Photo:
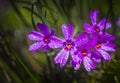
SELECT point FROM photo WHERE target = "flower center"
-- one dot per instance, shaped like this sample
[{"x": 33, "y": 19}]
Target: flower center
[
  {"x": 98, "y": 45},
  {"x": 68, "y": 44},
  {"x": 96, "y": 28},
  {"x": 84, "y": 53},
  {"x": 46, "y": 40}
]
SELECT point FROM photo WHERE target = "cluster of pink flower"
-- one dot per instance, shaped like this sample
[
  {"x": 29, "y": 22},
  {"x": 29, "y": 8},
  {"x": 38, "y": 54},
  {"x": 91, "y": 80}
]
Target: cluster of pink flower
[{"x": 87, "y": 47}]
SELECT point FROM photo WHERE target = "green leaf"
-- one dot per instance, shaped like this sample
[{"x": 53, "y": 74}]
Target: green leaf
[
  {"x": 111, "y": 72},
  {"x": 25, "y": 67},
  {"x": 116, "y": 79},
  {"x": 32, "y": 18},
  {"x": 10, "y": 72},
  {"x": 39, "y": 9}
]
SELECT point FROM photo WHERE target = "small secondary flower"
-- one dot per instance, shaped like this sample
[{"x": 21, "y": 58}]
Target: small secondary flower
[
  {"x": 95, "y": 26},
  {"x": 44, "y": 40},
  {"x": 102, "y": 47},
  {"x": 84, "y": 52}
]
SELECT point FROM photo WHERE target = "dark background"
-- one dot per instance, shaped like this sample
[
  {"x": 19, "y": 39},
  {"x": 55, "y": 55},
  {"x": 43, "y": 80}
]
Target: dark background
[{"x": 18, "y": 17}]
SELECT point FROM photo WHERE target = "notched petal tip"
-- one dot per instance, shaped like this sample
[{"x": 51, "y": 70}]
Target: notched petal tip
[
  {"x": 61, "y": 57},
  {"x": 30, "y": 49},
  {"x": 75, "y": 65},
  {"x": 108, "y": 48},
  {"x": 55, "y": 60},
  {"x": 70, "y": 25},
  {"x": 108, "y": 25},
  {"x": 102, "y": 23},
  {"x": 88, "y": 64},
  {"x": 52, "y": 32},
  {"x": 94, "y": 16},
  {"x": 95, "y": 11},
  {"x": 34, "y": 35},
  {"x": 38, "y": 25},
  {"x": 46, "y": 48},
  {"x": 36, "y": 46},
  {"x": 67, "y": 31},
  {"x": 62, "y": 64},
  {"x": 105, "y": 55},
  {"x": 43, "y": 28}
]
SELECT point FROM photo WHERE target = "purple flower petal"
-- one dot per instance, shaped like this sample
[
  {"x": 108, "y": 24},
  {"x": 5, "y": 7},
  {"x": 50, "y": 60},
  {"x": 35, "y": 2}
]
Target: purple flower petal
[
  {"x": 81, "y": 39},
  {"x": 52, "y": 32},
  {"x": 34, "y": 35},
  {"x": 43, "y": 28},
  {"x": 105, "y": 55},
  {"x": 88, "y": 28},
  {"x": 107, "y": 48},
  {"x": 88, "y": 64},
  {"x": 94, "y": 16},
  {"x": 96, "y": 60},
  {"x": 62, "y": 57},
  {"x": 74, "y": 57},
  {"x": 67, "y": 31},
  {"x": 108, "y": 25},
  {"x": 110, "y": 44},
  {"x": 64, "y": 60},
  {"x": 76, "y": 65},
  {"x": 101, "y": 24},
  {"x": 92, "y": 41},
  {"x": 46, "y": 48},
  {"x": 96, "y": 54},
  {"x": 96, "y": 57},
  {"x": 109, "y": 37},
  {"x": 36, "y": 46},
  {"x": 118, "y": 22},
  {"x": 55, "y": 42}
]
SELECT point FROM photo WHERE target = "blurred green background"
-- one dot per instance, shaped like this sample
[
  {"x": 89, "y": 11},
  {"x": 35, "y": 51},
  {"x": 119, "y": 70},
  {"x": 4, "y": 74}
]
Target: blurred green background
[{"x": 18, "y": 17}]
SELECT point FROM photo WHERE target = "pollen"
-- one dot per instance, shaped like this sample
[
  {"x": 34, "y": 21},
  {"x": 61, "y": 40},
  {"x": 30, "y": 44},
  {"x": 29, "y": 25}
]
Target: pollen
[
  {"x": 98, "y": 45},
  {"x": 97, "y": 29},
  {"x": 68, "y": 46},
  {"x": 46, "y": 40},
  {"x": 84, "y": 53}
]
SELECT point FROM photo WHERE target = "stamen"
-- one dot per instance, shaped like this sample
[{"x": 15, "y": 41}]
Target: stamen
[
  {"x": 46, "y": 40},
  {"x": 98, "y": 45},
  {"x": 96, "y": 28},
  {"x": 84, "y": 53},
  {"x": 68, "y": 46}
]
